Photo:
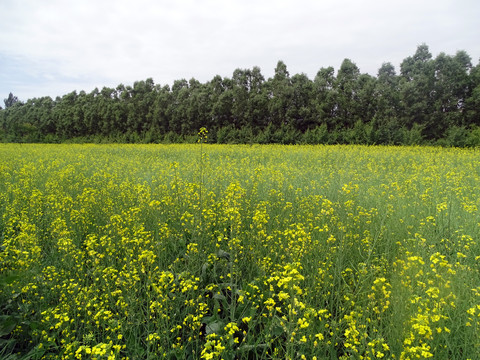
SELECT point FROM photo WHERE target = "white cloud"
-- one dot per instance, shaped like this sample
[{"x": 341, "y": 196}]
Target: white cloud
[{"x": 88, "y": 43}]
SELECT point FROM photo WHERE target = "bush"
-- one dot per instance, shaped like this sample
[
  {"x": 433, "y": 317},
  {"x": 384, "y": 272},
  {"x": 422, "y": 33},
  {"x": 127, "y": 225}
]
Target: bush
[
  {"x": 317, "y": 135},
  {"x": 413, "y": 136},
  {"x": 473, "y": 137}
]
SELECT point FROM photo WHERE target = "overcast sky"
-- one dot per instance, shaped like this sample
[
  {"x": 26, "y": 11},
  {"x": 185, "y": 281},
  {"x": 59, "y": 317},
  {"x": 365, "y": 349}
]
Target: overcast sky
[{"x": 52, "y": 47}]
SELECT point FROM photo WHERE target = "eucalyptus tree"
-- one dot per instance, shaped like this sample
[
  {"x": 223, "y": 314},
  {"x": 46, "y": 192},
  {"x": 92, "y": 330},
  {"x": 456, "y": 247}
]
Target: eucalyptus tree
[
  {"x": 257, "y": 100},
  {"x": 431, "y": 97},
  {"x": 249, "y": 99},
  {"x": 10, "y": 100},
  {"x": 221, "y": 98},
  {"x": 301, "y": 113},
  {"x": 197, "y": 107},
  {"x": 365, "y": 98},
  {"x": 346, "y": 92},
  {"x": 472, "y": 102},
  {"x": 43, "y": 120},
  {"x": 140, "y": 106},
  {"x": 450, "y": 91},
  {"x": 280, "y": 92},
  {"x": 417, "y": 79},
  {"x": 64, "y": 115},
  {"x": 386, "y": 123},
  {"x": 178, "y": 107},
  {"x": 324, "y": 99},
  {"x": 161, "y": 119},
  {"x": 104, "y": 120},
  {"x": 240, "y": 92},
  {"x": 386, "y": 92}
]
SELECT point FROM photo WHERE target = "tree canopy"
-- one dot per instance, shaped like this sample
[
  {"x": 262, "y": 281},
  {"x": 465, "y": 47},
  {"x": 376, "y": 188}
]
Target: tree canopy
[
  {"x": 10, "y": 100},
  {"x": 431, "y": 100}
]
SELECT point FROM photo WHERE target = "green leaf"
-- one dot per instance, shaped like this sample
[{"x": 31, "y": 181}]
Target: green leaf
[
  {"x": 223, "y": 255},
  {"x": 34, "y": 325},
  {"x": 35, "y": 353},
  {"x": 214, "y": 327},
  {"x": 277, "y": 330},
  {"x": 207, "y": 319},
  {"x": 246, "y": 347},
  {"x": 11, "y": 357},
  {"x": 219, "y": 297},
  {"x": 7, "y": 324},
  {"x": 205, "y": 267},
  {"x": 7, "y": 280},
  {"x": 5, "y": 342}
]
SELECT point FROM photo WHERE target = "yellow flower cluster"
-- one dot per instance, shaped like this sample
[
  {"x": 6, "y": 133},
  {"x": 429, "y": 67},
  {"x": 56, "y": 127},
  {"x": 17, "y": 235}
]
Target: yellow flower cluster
[{"x": 239, "y": 252}]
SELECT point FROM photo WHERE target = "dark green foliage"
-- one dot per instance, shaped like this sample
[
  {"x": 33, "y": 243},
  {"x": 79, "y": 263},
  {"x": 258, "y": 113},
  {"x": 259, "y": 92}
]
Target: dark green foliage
[
  {"x": 432, "y": 100},
  {"x": 10, "y": 100}
]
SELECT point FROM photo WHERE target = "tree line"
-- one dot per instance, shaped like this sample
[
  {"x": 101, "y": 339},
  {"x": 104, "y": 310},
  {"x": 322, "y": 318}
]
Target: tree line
[{"x": 431, "y": 101}]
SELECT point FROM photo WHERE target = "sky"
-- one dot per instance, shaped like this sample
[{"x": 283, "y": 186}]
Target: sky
[{"x": 53, "y": 47}]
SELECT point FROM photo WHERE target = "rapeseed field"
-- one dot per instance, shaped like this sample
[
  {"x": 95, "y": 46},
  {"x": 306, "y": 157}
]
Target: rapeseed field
[{"x": 239, "y": 252}]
